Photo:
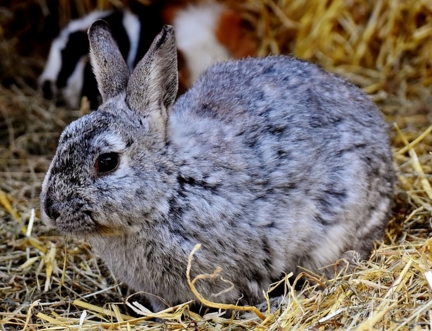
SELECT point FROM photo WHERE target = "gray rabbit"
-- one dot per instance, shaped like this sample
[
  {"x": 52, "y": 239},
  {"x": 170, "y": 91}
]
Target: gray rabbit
[{"x": 270, "y": 163}]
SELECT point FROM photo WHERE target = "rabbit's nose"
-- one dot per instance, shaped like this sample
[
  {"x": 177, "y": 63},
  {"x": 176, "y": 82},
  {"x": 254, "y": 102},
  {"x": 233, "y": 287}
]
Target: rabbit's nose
[{"x": 51, "y": 209}]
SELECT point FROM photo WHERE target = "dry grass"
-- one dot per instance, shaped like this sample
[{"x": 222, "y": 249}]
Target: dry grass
[{"x": 48, "y": 282}]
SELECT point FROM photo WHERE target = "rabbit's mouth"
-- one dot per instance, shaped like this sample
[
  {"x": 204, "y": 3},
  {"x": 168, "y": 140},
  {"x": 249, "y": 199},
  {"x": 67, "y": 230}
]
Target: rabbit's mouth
[
  {"x": 69, "y": 216},
  {"x": 78, "y": 224},
  {"x": 85, "y": 224}
]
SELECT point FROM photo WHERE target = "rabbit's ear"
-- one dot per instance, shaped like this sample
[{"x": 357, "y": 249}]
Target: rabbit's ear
[
  {"x": 154, "y": 82},
  {"x": 109, "y": 67}
]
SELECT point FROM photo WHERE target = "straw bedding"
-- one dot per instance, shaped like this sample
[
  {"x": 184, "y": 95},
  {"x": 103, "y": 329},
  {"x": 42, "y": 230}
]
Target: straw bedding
[{"x": 48, "y": 282}]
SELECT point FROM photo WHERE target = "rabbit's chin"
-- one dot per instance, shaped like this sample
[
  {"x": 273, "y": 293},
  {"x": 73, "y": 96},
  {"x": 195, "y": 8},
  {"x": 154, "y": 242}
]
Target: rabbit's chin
[{"x": 78, "y": 225}]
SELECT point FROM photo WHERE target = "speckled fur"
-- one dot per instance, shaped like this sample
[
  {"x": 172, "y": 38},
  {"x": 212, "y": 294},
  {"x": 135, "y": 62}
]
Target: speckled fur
[{"x": 269, "y": 163}]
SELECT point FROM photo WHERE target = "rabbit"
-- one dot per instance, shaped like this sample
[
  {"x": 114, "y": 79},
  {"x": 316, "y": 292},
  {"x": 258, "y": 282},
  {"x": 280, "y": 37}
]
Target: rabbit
[{"x": 272, "y": 164}]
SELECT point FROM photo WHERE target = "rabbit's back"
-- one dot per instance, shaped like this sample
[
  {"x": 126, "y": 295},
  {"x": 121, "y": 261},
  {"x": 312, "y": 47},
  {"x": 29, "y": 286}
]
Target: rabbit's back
[
  {"x": 302, "y": 154},
  {"x": 278, "y": 86}
]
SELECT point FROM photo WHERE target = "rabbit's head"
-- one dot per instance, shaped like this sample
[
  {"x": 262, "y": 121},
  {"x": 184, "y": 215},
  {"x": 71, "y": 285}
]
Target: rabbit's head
[{"x": 108, "y": 166}]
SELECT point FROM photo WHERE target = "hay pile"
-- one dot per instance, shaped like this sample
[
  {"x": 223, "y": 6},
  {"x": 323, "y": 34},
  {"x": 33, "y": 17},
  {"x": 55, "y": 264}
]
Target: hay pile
[{"x": 48, "y": 282}]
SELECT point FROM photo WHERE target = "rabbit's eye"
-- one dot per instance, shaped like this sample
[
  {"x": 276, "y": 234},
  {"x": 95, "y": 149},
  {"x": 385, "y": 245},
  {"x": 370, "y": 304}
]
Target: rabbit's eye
[{"x": 107, "y": 162}]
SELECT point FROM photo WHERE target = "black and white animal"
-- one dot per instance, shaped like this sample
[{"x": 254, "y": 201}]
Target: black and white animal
[
  {"x": 206, "y": 32},
  {"x": 270, "y": 163},
  {"x": 67, "y": 75}
]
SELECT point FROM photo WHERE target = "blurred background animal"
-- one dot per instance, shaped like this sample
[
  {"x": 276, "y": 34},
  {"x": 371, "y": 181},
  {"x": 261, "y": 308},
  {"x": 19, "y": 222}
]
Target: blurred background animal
[{"x": 206, "y": 32}]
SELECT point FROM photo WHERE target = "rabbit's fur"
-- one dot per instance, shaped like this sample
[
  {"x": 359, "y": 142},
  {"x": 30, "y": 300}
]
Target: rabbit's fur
[{"x": 269, "y": 163}]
